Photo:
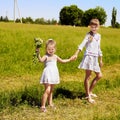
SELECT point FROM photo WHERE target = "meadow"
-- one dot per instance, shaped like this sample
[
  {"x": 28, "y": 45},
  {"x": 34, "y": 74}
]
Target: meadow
[{"x": 20, "y": 91}]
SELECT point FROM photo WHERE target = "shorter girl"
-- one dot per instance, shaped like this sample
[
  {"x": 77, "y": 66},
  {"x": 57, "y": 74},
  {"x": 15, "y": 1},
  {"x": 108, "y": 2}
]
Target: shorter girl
[
  {"x": 90, "y": 60},
  {"x": 50, "y": 75}
]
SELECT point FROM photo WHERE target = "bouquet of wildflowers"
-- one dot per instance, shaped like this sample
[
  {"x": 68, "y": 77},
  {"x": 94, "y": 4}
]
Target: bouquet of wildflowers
[{"x": 38, "y": 44}]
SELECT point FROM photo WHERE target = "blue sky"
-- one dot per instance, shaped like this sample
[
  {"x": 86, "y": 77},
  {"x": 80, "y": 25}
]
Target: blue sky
[{"x": 49, "y": 9}]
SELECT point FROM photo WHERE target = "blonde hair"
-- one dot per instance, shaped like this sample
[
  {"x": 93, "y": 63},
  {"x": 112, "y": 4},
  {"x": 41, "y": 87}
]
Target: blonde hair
[
  {"x": 50, "y": 42},
  {"x": 94, "y": 22}
]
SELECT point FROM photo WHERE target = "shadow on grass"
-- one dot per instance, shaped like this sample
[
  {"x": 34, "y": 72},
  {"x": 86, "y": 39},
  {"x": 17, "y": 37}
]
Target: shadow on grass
[
  {"x": 32, "y": 95},
  {"x": 66, "y": 93}
]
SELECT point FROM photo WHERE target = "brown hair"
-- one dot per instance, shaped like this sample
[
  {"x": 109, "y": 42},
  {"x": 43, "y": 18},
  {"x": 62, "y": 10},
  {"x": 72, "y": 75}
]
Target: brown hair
[
  {"x": 50, "y": 42},
  {"x": 94, "y": 22}
]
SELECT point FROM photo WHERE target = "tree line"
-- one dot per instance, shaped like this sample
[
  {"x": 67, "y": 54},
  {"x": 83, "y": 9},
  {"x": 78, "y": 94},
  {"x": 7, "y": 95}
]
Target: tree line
[
  {"x": 72, "y": 15},
  {"x": 4, "y": 19},
  {"x": 30, "y": 20},
  {"x": 37, "y": 21}
]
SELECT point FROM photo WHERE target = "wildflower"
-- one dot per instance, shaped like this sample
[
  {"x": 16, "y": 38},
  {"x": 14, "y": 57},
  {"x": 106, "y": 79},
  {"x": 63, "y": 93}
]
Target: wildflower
[{"x": 38, "y": 44}]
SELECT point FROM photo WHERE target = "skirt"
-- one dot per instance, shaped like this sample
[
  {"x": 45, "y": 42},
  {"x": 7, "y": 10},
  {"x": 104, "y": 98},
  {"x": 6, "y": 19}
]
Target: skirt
[
  {"x": 50, "y": 75},
  {"x": 90, "y": 63}
]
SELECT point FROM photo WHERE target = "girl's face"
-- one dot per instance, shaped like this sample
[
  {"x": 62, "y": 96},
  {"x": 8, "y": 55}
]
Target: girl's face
[
  {"x": 51, "y": 49},
  {"x": 94, "y": 28}
]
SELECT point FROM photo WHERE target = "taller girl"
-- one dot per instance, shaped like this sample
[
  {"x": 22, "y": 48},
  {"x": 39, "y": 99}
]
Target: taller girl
[{"x": 90, "y": 59}]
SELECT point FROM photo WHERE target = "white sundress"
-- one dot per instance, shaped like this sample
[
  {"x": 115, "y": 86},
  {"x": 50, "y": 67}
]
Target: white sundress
[{"x": 50, "y": 73}]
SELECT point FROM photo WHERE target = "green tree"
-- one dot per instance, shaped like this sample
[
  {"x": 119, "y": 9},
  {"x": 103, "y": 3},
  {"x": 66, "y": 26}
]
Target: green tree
[
  {"x": 117, "y": 25},
  {"x": 29, "y": 20},
  {"x": 17, "y": 20},
  {"x": 40, "y": 21},
  {"x": 1, "y": 18},
  {"x": 6, "y": 19},
  {"x": 71, "y": 15},
  {"x": 53, "y": 22},
  {"x": 113, "y": 21},
  {"x": 97, "y": 12},
  {"x": 23, "y": 20}
]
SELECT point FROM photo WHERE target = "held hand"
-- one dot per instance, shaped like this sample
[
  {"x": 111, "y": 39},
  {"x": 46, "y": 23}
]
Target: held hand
[
  {"x": 74, "y": 57},
  {"x": 71, "y": 59}
]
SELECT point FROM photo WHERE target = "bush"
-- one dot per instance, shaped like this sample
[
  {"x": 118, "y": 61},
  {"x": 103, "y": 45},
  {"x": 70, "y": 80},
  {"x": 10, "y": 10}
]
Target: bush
[{"x": 117, "y": 25}]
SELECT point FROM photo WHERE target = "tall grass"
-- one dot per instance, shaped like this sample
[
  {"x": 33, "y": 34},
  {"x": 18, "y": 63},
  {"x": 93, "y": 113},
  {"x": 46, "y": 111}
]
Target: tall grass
[{"x": 17, "y": 46}]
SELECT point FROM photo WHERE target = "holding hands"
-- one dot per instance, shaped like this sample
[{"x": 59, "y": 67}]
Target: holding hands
[{"x": 74, "y": 57}]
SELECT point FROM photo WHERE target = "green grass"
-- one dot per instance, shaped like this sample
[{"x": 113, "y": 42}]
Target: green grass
[
  {"x": 20, "y": 92},
  {"x": 17, "y": 46}
]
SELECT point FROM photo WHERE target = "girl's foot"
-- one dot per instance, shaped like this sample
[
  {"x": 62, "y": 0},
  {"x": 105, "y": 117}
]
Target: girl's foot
[
  {"x": 90, "y": 100},
  {"x": 93, "y": 95},
  {"x": 43, "y": 109},
  {"x": 53, "y": 107}
]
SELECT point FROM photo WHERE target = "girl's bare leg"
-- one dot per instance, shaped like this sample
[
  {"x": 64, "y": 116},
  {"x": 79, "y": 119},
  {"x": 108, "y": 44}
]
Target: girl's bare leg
[
  {"x": 50, "y": 96},
  {"x": 86, "y": 82},
  {"x": 98, "y": 76},
  {"x": 45, "y": 95}
]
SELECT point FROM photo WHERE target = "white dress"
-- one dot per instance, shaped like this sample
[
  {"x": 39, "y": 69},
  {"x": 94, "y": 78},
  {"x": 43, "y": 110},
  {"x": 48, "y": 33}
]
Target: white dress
[
  {"x": 50, "y": 73},
  {"x": 90, "y": 60}
]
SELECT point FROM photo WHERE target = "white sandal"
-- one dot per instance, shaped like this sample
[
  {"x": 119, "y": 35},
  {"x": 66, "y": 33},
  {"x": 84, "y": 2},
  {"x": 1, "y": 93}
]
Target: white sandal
[
  {"x": 90, "y": 100},
  {"x": 93, "y": 95},
  {"x": 43, "y": 109}
]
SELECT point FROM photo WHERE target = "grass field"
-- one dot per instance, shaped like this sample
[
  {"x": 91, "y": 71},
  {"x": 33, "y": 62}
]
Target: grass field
[{"x": 20, "y": 91}]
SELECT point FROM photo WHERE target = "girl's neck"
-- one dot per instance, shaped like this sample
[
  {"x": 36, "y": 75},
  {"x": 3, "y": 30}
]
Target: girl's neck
[
  {"x": 92, "y": 33},
  {"x": 49, "y": 55}
]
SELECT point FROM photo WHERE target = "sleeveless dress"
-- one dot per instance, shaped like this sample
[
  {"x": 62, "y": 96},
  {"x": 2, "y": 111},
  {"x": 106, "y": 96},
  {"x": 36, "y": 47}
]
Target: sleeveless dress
[{"x": 50, "y": 73}]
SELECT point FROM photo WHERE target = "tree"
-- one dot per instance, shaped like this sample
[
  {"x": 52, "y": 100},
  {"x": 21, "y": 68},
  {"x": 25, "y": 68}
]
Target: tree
[
  {"x": 23, "y": 20},
  {"x": 17, "y": 20},
  {"x": 40, "y": 21},
  {"x": 71, "y": 15},
  {"x": 53, "y": 22},
  {"x": 113, "y": 21},
  {"x": 6, "y": 19},
  {"x": 29, "y": 20},
  {"x": 1, "y": 18},
  {"x": 117, "y": 25},
  {"x": 97, "y": 12}
]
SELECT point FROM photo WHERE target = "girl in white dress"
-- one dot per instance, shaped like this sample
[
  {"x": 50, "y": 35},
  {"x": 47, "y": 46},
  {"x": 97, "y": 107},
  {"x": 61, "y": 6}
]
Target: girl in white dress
[
  {"x": 50, "y": 75},
  {"x": 90, "y": 60}
]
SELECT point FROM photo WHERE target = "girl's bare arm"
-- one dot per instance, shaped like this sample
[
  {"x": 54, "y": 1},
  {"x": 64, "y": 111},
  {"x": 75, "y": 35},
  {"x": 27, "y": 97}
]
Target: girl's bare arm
[
  {"x": 100, "y": 61},
  {"x": 74, "y": 57},
  {"x": 41, "y": 59},
  {"x": 63, "y": 60}
]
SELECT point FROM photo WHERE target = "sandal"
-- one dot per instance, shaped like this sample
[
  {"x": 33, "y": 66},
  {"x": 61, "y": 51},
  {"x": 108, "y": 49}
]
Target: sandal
[
  {"x": 43, "y": 109},
  {"x": 90, "y": 100},
  {"x": 93, "y": 95}
]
